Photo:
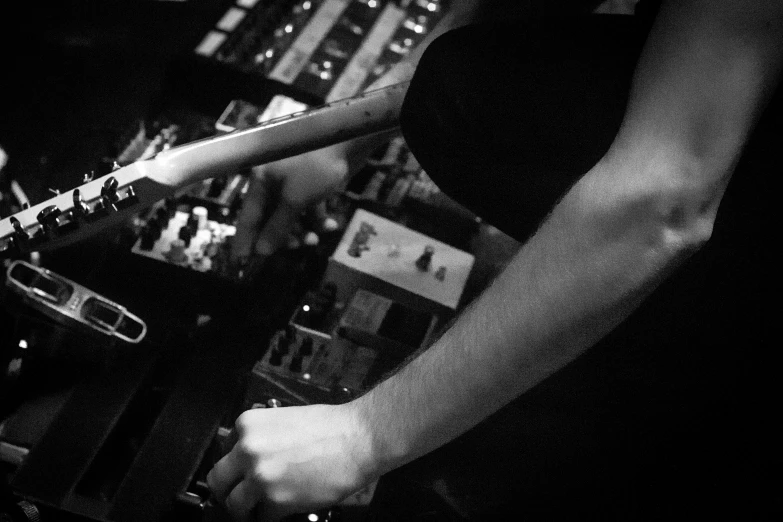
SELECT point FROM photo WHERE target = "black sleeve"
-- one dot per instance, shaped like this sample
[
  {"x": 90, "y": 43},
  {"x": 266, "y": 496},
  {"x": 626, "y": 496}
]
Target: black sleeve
[{"x": 505, "y": 117}]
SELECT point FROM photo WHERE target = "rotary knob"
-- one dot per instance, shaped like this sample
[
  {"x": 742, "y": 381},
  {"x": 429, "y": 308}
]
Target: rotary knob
[
  {"x": 163, "y": 217},
  {"x": 185, "y": 234},
  {"x": 147, "y": 238}
]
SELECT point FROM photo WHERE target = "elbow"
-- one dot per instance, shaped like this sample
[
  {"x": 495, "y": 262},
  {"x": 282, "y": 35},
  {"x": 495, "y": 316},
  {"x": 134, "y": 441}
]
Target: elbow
[
  {"x": 685, "y": 225},
  {"x": 685, "y": 208},
  {"x": 664, "y": 210}
]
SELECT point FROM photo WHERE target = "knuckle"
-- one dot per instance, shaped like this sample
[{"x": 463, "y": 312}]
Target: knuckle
[
  {"x": 281, "y": 496},
  {"x": 268, "y": 472},
  {"x": 243, "y": 422},
  {"x": 245, "y": 447},
  {"x": 258, "y": 172},
  {"x": 234, "y": 508}
]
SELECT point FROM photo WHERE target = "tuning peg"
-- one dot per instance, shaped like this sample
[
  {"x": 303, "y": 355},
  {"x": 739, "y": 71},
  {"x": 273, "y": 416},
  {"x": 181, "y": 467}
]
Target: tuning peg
[
  {"x": 20, "y": 237},
  {"x": 56, "y": 192},
  {"x": 129, "y": 200},
  {"x": 49, "y": 218},
  {"x": 19, "y": 231},
  {"x": 88, "y": 177},
  {"x": 115, "y": 166},
  {"x": 109, "y": 194},
  {"x": 80, "y": 208},
  {"x": 109, "y": 189},
  {"x": 80, "y": 211},
  {"x": 107, "y": 205}
]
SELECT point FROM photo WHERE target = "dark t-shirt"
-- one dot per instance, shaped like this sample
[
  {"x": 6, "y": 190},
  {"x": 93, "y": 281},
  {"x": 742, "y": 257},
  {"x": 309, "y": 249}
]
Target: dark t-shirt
[{"x": 672, "y": 414}]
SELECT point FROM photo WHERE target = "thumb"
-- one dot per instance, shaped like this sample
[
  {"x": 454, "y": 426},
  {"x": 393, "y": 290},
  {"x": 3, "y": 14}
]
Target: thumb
[
  {"x": 251, "y": 214},
  {"x": 274, "y": 234}
]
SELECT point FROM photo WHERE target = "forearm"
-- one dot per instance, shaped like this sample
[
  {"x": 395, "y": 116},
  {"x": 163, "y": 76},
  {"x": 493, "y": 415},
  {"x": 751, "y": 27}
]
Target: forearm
[
  {"x": 615, "y": 235},
  {"x": 566, "y": 288}
]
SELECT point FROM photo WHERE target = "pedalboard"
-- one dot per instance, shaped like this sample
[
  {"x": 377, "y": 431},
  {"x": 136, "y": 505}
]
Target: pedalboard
[
  {"x": 186, "y": 239},
  {"x": 323, "y": 49},
  {"x": 385, "y": 291},
  {"x": 431, "y": 273}
]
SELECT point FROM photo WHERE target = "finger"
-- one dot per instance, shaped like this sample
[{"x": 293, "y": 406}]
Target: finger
[
  {"x": 295, "y": 235},
  {"x": 320, "y": 211},
  {"x": 250, "y": 215},
  {"x": 224, "y": 476},
  {"x": 274, "y": 235},
  {"x": 242, "y": 500},
  {"x": 296, "y": 229},
  {"x": 323, "y": 220}
]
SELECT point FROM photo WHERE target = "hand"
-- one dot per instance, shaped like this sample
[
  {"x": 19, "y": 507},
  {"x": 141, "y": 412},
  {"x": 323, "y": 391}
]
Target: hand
[
  {"x": 291, "y": 184},
  {"x": 291, "y": 460}
]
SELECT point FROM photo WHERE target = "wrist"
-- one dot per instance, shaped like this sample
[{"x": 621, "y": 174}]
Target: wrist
[
  {"x": 364, "y": 450},
  {"x": 380, "y": 443}
]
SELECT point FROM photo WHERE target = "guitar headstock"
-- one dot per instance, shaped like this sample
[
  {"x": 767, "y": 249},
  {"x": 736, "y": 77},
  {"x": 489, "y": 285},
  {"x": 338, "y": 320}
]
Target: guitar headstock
[
  {"x": 98, "y": 203},
  {"x": 79, "y": 213}
]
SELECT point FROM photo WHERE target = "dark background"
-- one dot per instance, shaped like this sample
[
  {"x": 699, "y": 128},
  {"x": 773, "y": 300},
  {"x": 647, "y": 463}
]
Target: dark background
[{"x": 77, "y": 74}]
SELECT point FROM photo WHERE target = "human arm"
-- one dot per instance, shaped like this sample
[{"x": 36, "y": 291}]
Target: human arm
[
  {"x": 704, "y": 77},
  {"x": 310, "y": 177}
]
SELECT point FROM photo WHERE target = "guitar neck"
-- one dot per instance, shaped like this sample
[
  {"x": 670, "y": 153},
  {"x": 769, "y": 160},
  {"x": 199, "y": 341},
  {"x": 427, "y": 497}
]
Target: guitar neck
[
  {"x": 368, "y": 113},
  {"x": 105, "y": 201}
]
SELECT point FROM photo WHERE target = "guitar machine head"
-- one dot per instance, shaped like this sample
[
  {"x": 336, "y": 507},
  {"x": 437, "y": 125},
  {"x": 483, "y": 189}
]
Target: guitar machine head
[
  {"x": 59, "y": 221},
  {"x": 64, "y": 218}
]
